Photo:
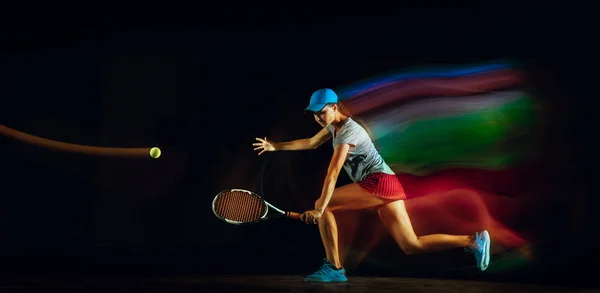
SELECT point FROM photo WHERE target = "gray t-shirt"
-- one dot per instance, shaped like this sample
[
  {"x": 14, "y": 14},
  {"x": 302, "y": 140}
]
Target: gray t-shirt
[{"x": 363, "y": 159}]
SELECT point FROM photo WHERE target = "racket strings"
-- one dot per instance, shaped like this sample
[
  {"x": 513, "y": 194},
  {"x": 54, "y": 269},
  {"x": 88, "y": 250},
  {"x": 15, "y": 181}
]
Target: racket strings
[{"x": 239, "y": 206}]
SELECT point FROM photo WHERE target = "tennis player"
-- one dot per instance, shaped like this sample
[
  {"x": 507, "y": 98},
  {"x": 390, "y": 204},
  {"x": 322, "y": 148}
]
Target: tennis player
[{"x": 375, "y": 186}]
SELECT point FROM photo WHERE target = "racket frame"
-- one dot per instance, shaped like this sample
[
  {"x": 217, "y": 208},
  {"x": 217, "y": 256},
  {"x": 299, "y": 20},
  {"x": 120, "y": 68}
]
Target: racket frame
[{"x": 261, "y": 218}]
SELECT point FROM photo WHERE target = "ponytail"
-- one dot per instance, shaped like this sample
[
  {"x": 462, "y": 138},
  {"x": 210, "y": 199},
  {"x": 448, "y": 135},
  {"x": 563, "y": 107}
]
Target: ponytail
[{"x": 346, "y": 112}]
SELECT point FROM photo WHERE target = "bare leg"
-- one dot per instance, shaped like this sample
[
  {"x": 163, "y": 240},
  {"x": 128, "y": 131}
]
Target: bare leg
[
  {"x": 395, "y": 218},
  {"x": 329, "y": 236},
  {"x": 348, "y": 197},
  {"x": 462, "y": 211}
]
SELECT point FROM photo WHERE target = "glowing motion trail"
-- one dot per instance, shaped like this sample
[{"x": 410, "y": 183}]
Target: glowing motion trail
[
  {"x": 478, "y": 117},
  {"x": 465, "y": 143}
]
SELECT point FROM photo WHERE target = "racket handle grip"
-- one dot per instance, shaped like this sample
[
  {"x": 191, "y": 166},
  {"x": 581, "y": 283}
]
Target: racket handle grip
[{"x": 292, "y": 215}]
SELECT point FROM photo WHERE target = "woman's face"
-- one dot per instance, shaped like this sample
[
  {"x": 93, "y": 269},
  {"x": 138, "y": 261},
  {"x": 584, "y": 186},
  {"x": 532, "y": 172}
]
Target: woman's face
[{"x": 326, "y": 115}]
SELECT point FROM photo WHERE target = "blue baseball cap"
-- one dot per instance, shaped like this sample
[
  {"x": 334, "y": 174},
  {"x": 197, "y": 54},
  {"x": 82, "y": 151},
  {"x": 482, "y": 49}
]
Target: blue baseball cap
[{"x": 320, "y": 98}]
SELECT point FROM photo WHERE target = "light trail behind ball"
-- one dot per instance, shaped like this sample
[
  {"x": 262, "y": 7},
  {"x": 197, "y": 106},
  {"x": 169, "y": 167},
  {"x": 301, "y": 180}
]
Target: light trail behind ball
[{"x": 77, "y": 148}]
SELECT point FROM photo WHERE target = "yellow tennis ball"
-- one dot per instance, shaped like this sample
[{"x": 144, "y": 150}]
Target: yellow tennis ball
[{"x": 155, "y": 152}]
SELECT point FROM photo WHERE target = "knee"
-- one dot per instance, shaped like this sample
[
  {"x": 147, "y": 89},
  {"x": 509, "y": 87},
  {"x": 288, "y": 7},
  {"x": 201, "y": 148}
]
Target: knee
[{"x": 411, "y": 247}]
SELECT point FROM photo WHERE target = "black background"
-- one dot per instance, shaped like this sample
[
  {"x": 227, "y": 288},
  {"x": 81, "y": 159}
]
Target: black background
[{"x": 202, "y": 88}]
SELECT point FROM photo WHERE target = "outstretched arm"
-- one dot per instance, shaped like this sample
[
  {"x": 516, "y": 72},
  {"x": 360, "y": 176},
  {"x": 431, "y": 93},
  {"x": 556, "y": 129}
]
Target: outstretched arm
[
  {"x": 304, "y": 144},
  {"x": 295, "y": 145}
]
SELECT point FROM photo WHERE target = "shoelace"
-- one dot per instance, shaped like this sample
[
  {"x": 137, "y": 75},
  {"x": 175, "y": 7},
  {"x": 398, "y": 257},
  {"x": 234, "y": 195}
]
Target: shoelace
[{"x": 326, "y": 270}]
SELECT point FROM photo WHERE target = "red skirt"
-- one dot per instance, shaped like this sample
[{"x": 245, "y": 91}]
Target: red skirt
[{"x": 383, "y": 185}]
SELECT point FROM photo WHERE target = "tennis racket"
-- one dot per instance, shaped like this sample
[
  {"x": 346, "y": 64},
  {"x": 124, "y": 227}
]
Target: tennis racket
[{"x": 240, "y": 206}]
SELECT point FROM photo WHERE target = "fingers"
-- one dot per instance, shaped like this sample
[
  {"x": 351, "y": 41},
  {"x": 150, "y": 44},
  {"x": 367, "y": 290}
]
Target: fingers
[
  {"x": 305, "y": 217},
  {"x": 309, "y": 218},
  {"x": 262, "y": 150},
  {"x": 259, "y": 145},
  {"x": 315, "y": 220}
]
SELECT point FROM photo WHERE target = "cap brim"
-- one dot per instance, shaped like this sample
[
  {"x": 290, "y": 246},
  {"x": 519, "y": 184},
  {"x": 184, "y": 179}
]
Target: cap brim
[{"x": 315, "y": 107}]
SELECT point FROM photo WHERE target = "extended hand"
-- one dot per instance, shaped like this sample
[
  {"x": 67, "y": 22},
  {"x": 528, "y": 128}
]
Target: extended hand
[
  {"x": 263, "y": 146},
  {"x": 311, "y": 217}
]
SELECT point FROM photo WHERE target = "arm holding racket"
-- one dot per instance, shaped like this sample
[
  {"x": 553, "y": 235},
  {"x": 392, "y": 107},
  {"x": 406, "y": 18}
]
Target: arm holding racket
[
  {"x": 335, "y": 166},
  {"x": 264, "y": 145}
]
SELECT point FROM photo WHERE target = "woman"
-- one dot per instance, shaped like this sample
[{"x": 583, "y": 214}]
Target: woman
[{"x": 375, "y": 186}]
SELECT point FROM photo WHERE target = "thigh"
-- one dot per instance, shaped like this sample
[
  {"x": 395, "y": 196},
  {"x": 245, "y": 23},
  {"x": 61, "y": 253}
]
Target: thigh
[{"x": 353, "y": 197}]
